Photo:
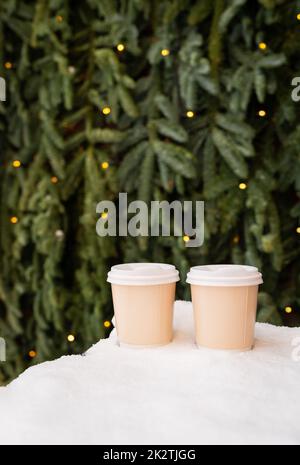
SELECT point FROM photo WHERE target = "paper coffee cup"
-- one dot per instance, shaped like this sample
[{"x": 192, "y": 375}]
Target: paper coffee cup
[
  {"x": 224, "y": 301},
  {"x": 143, "y": 299}
]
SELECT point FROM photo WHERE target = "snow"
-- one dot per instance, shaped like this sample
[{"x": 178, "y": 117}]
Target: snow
[{"x": 176, "y": 394}]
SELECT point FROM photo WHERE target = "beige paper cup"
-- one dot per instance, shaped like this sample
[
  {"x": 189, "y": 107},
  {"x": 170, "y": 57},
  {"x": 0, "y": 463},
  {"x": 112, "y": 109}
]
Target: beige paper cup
[
  {"x": 224, "y": 301},
  {"x": 143, "y": 299}
]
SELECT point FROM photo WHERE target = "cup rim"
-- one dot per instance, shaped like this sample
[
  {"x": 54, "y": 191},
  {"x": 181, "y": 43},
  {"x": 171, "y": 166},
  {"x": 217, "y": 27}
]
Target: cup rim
[
  {"x": 224, "y": 275},
  {"x": 142, "y": 274}
]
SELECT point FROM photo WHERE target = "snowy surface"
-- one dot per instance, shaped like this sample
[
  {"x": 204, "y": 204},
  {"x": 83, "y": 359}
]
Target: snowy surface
[{"x": 177, "y": 394}]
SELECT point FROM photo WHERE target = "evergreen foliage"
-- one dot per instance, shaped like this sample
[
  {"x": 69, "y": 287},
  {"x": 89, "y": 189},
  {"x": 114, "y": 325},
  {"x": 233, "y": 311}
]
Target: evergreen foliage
[{"x": 65, "y": 68}]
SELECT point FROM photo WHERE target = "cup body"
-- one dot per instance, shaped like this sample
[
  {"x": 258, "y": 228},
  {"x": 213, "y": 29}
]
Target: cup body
[
  {"x": 144, "y": 314},
  {"x": 143, "y": 299},
  {"x": 224, "y": 301},
  {"x": 224, "y": 316}
]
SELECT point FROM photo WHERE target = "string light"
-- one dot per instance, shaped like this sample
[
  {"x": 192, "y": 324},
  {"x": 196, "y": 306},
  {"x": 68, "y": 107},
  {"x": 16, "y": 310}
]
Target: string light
[
  {"x": 105, "y": 165},
  {"x": 54, "y": 180},
  {"x": 59, "y": 19},
  {"x": 236, "y": 239},
  {"x": 262, "y": 45},
  {"x": 8, "y": 65},
  {"x": 14, "y": 220},
  {"x": 106, "y": 110},
  {"x": 72, "y": 69},
  {"x": 16, "y": 163},
  {"x": 190, "y": 114},
  {"x": 298, "y": 230},
  {"x": 185, "y": 238},
  {"x": 262, "y": 113},
  {"x": 242, "y": 186},
  {"x": 71, "y": 337},
  {"x": 298, "y": 16},
  {"x": 288, "y": 309},
  {"x": 32, "y": 353},
  {"x": 165, "y": 52},
  {"x": 107, "y": 324},
  {"x": 104, "y": 215},
  {"x": 120, "y": 47},
  {"x": 59, "y": 234}
]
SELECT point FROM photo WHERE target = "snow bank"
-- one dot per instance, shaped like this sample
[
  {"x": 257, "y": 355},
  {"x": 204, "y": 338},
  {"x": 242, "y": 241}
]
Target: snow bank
[{"x": 171, "y": 395}]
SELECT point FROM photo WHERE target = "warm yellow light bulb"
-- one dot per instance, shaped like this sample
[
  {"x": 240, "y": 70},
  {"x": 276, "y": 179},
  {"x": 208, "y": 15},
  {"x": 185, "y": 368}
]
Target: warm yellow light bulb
[
  {"x": 185, "y": 238},
  {"x": 14, "y": 220},
  {"x": 242, "y": 186},
  {"x": 190, "y": 114},
  {"x": 105, "y": 165},
  {"x": 165, "y": 52},
  {"x": 262, "y": 113},
  {"x": 54, "y": 180},
  {"x": 120, "y": 47},
  {"x": 236, "y": 239},
  {"x": 298, "y": 230},
  {"x": 16, "y": 163},
  {"x": 8, "y": 65},
  {"x": 298, "y": 16},
  {"x": 107, "y": 324},
  {"x": 71, "y": 337},
  {"x": 32, "y": 353},
  {"x": 288, "y": 309},
  {"x": 104, "y": 215},
  {"x": 106, "y": 110},
  {"x": 262, "y": 45}
]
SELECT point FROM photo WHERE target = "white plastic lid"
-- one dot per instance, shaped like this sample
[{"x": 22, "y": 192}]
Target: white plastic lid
[
  {"x": 141, "y": 274},
  {"x": 224, "y": 275}
]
